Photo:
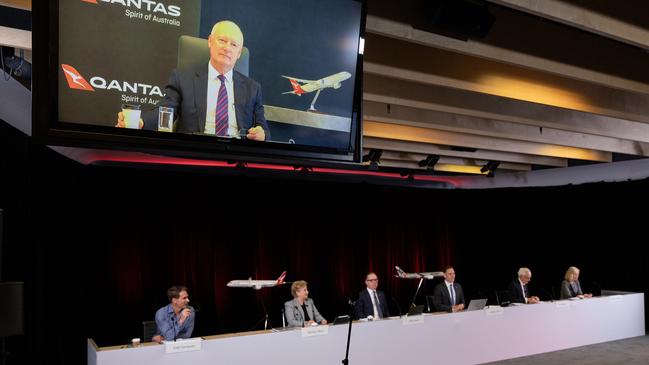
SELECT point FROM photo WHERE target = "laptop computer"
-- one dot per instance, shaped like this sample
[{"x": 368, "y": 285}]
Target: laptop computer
[
  {"x": 477, "y": 304},
  {"x": 416, "y": 310},
  {"x": 341, "y": 320}
]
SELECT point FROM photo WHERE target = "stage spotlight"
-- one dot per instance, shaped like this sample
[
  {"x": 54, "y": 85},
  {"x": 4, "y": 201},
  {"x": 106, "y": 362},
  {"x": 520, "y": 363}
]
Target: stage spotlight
[
  {"x": 429, "y": 162},
  {"x": 373, "y": 157},
  {"x": 490, "y": 168}
]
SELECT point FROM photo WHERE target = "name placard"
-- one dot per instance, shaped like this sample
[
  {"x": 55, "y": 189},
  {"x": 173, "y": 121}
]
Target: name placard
[
  {"x": 192, "y": 344},
  {"x": 615, "y": 298},
  {"x": 494, "y": 310},
  {"x": 315, "y": 331},
  {"x": 410, "y": 320}
]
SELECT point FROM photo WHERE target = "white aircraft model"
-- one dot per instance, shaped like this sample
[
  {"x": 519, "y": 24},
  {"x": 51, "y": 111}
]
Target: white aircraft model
[
  {"x": 257, "y": 284},
  {"x": 301, "y": 86},
  {"x": 417, "y": 275}
]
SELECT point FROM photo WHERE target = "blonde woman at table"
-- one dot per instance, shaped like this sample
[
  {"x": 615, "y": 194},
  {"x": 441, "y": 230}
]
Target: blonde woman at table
[
  {"x": 570, "y": 287},
  {"x": 301, "y": 311}
]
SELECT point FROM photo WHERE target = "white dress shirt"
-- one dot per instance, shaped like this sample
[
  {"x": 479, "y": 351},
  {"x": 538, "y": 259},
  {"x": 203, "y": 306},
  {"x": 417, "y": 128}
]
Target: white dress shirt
[
  {"x": 453, "y": 294},
  {"x": 523, "y": 289},
  {"x": 375, "y": 305}
]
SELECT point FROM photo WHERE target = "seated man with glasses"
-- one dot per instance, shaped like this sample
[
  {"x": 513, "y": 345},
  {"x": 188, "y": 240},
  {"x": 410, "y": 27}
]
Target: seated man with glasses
[
  {"x": 518, "y": 288},
  {"x": 371, "y": 302}
]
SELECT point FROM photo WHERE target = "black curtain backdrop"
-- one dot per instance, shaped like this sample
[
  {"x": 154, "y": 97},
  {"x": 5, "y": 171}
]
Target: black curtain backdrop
[{"x": 98, "y": 246}]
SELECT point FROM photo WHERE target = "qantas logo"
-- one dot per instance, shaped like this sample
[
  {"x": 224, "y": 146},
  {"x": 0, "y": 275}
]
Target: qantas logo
[
  {"x": 297, "y": 88},
  {"x": 147, "y": 5},
  {"x": 75, "y": 80}
]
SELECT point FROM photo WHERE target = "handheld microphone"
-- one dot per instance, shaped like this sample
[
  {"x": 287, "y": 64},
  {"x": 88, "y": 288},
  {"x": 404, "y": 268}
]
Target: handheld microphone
[{"x": 191, "y": 309}]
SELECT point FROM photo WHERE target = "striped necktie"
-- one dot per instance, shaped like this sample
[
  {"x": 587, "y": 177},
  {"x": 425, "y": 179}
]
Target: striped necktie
[
  {"x": 221, "y": 119},
  {"x": 377, "y": 305},
  {"x": 452, "y": 294}
]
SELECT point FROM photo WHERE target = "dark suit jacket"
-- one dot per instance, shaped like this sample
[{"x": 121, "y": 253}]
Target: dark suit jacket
[
  {"x": 442, "y": 299},
  {"x": 516, "y": 293},
  {"x": 186, "y": 92},
  {"x": 365, "y": 308}
]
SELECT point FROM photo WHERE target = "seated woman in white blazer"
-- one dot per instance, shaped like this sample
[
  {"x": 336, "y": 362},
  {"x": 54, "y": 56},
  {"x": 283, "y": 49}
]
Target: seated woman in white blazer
[{"x": 301, "y": 311}]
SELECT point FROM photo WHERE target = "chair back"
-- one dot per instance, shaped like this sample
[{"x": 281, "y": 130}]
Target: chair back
[
  {"x": 503, "y": 297},
  {"x": 149, "y": 329}
]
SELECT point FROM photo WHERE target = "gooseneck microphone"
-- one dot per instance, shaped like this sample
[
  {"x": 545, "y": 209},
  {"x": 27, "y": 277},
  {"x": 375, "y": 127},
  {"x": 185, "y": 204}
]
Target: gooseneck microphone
[
  {"x": 397, "y": 303},
  {"x": 173, "y": 324}
]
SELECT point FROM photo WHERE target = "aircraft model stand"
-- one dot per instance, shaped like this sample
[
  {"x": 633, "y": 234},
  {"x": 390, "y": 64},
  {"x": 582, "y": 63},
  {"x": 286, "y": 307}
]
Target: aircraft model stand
[
  {"x": 258, "y": 285},
  {"x": 412, "y": 305},
  {"x": 267, "y": 324}
]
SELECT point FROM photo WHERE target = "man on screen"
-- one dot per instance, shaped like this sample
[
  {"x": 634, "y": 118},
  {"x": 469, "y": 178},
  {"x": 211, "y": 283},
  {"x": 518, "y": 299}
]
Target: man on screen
[
  {"x": 214, "y": 98},
  {"x": 176, "y": 319}
]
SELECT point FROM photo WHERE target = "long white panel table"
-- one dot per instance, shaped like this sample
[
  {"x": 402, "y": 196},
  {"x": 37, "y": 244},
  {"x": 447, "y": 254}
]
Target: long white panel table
[{"x": 454, "y": 338}]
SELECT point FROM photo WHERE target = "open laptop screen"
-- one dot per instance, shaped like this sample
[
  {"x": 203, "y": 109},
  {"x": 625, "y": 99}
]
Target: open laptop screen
[{"x": 477, "y": 304}]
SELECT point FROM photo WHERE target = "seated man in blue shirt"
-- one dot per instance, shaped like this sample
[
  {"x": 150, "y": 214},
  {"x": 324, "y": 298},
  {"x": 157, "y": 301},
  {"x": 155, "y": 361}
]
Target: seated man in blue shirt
[{"x": 176, "y": 319}]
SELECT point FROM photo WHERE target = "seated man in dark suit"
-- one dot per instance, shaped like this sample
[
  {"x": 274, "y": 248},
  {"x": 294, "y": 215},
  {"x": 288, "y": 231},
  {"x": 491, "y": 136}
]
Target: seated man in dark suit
[
  {"x": 214, "y": 98},
  {"x": 371, "y": 302},
  {"x": 518, "y": 288},
  {"x": 449, "y": 296}
]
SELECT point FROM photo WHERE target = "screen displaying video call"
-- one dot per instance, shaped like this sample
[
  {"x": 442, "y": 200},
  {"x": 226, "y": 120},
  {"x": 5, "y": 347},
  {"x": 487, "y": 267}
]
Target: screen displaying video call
[{"x": 122, "y": 61}]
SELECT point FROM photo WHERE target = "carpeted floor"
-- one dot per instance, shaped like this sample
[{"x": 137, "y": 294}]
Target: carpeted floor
[{"x": 633, "y": 351}]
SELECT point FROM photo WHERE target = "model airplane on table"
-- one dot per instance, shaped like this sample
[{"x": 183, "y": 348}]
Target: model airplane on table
[
  {"x": 301, "y": 86},
  {"x": 257, "y": 284},
  {"x": 417, "y": 275}
]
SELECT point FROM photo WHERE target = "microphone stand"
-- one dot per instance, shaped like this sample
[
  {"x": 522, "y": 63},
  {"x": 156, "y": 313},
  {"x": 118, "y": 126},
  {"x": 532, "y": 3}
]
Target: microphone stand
[
  {"x": 349, "y": 332},
  {"x": 263, "y": 305},
  {"x": 264, "y": 318},
  {"x": 412, "y": 305},
  {"x": 4, "y": 354},
  {"x": 397, "y": 303}
]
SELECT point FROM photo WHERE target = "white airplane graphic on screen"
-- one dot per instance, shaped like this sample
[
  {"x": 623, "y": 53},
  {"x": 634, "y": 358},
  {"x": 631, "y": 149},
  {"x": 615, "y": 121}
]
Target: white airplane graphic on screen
[
  {"x": 301, "y": 86},
  {"x": 417, "y": 275},
  {"x": 257, "y": 284}
]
